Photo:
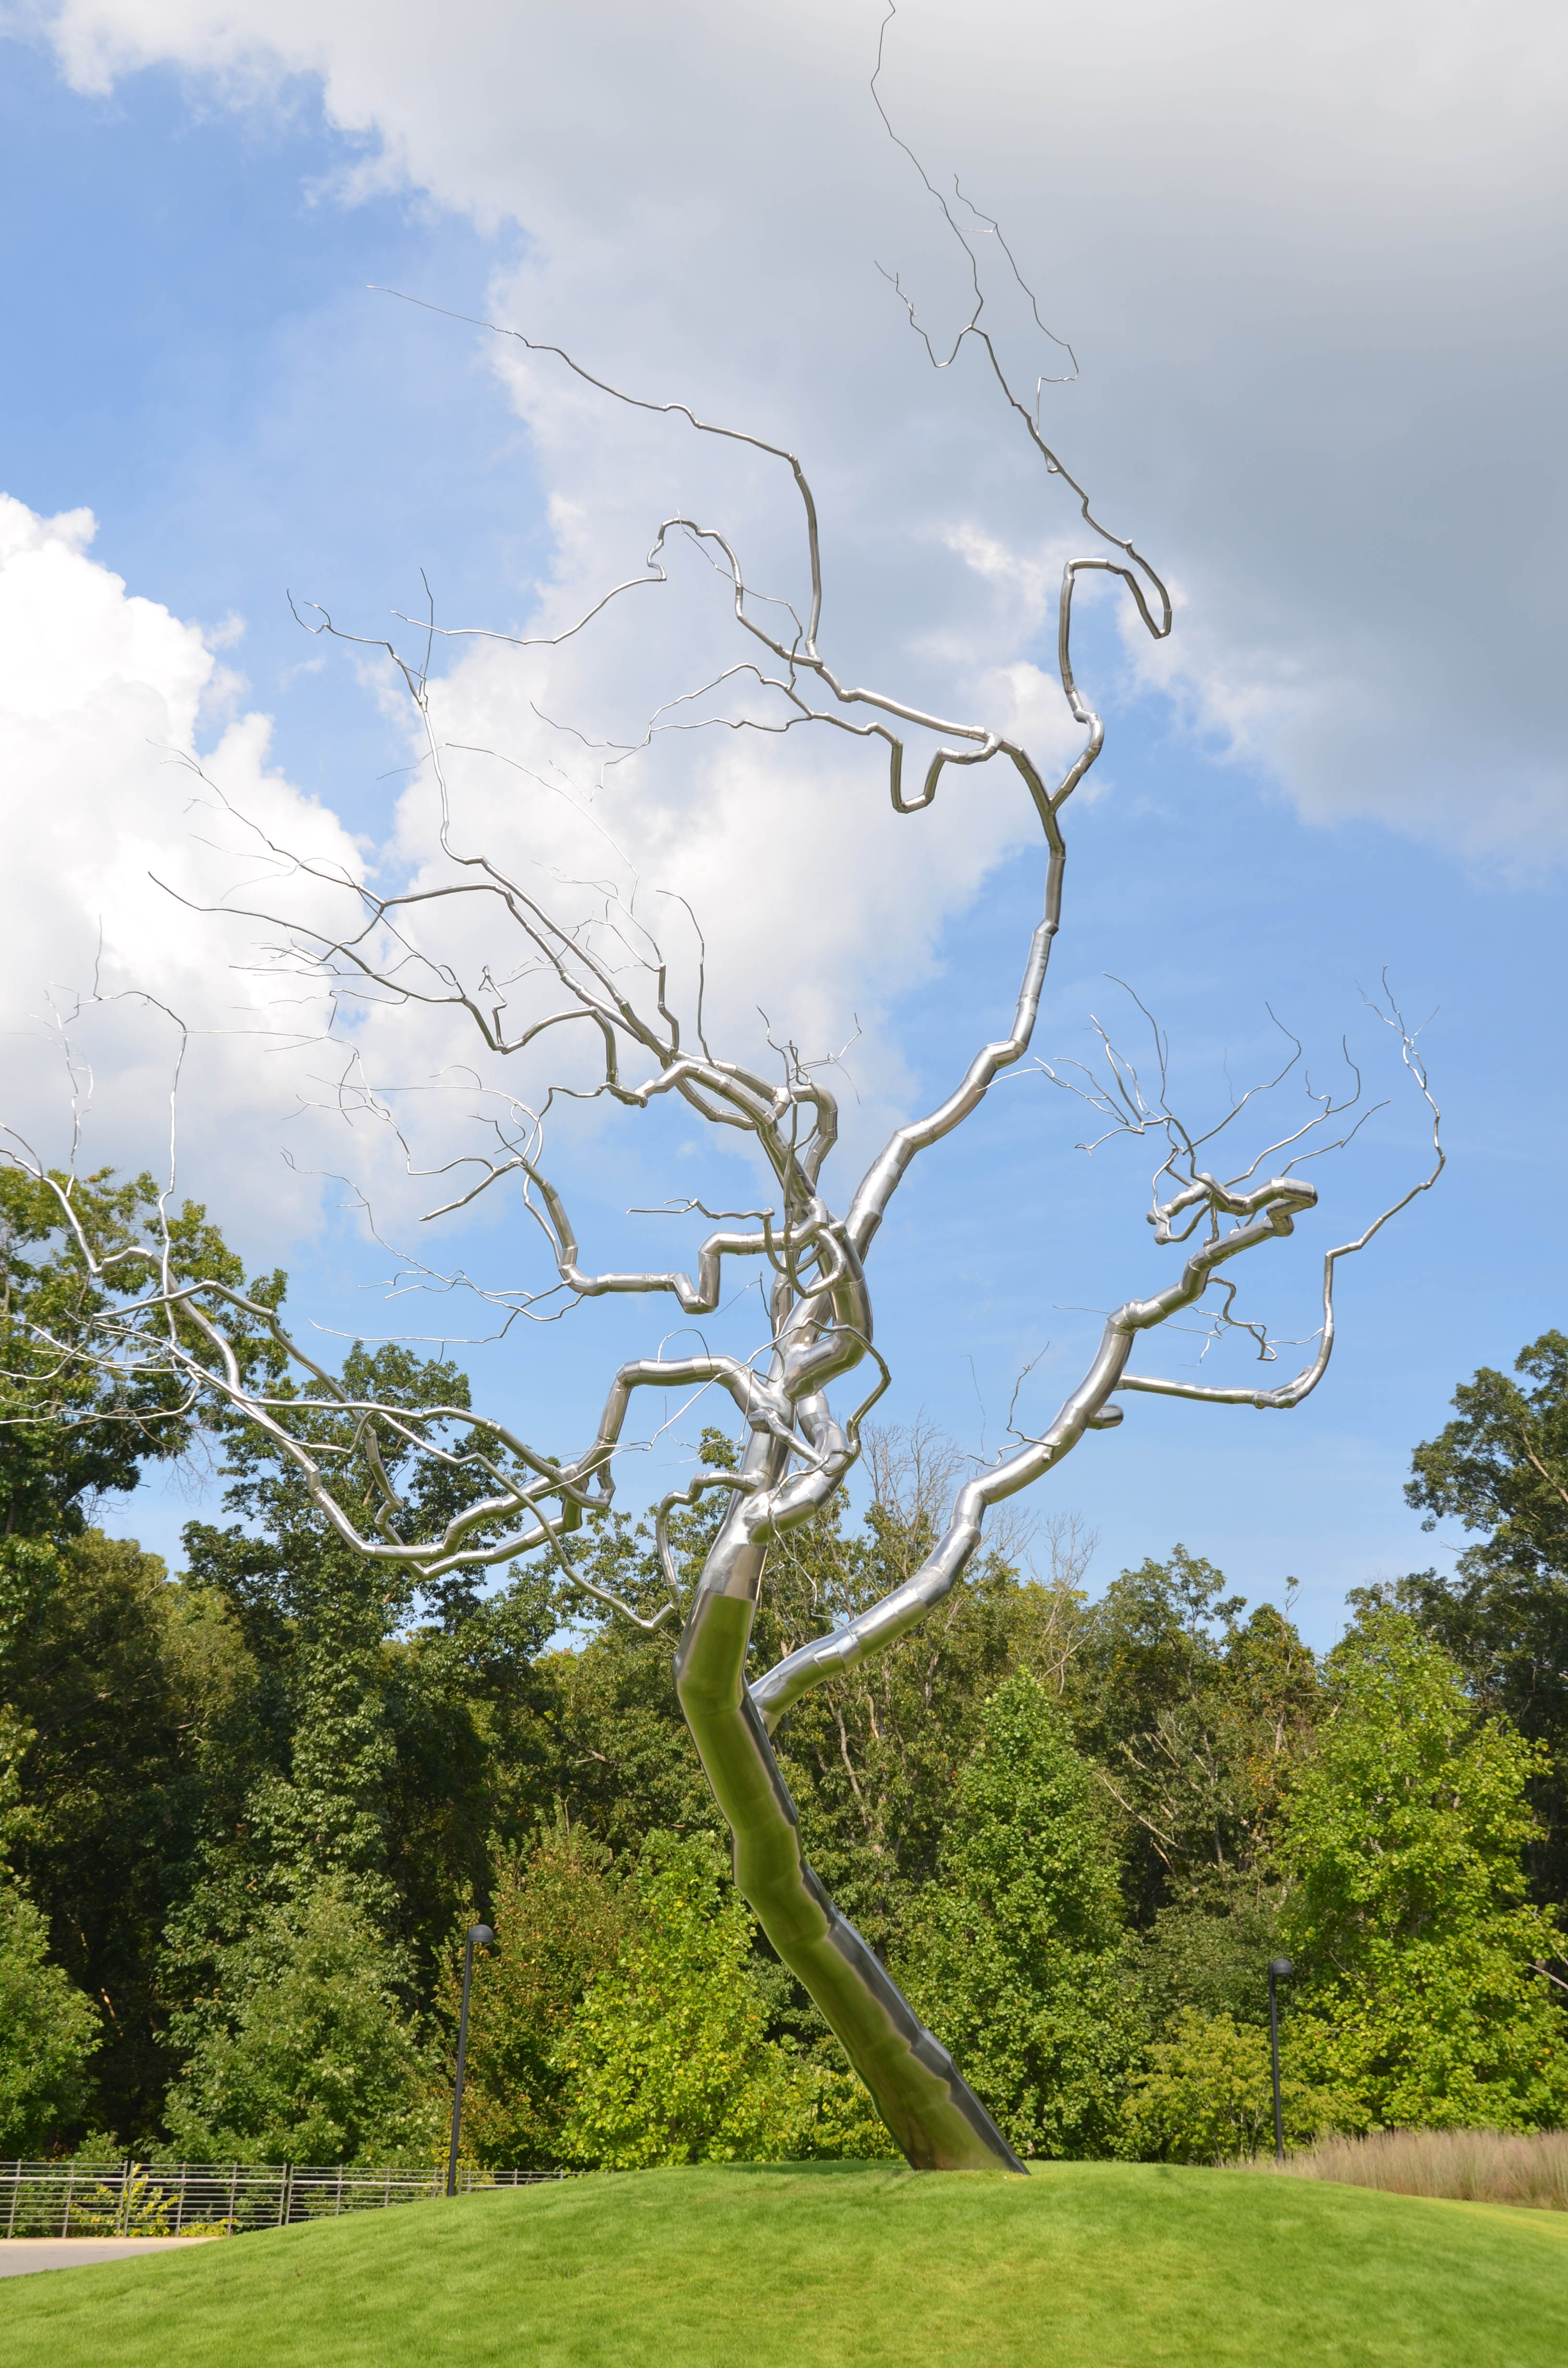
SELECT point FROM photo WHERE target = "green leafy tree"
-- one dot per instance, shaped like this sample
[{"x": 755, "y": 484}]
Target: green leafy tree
[
  {"x": 47, "y": 2034},
  {"x": 121, "y": 1696},
  {"x": 132, "y": 1708},
  {"x": 1195, "y": 1718},
  {"x": 1408, "y": 1916},
  {"x": 322, "y": 1614},
  {"x": 561, "y": 1916},
  {"x": 470, "y": 1711},
  {"x": 404, "y": 1724},
  {"x": 70, "y": 1432},
  {"x": 624, "y": 1763},
  {"x": 1248, "y": 1730},
  {"x": 17, "y": 1818},
  {"x": 1501, "y": 1468},
  {"x": 305, "y": 2050},
  {"x": 1015, "y": 1953}
]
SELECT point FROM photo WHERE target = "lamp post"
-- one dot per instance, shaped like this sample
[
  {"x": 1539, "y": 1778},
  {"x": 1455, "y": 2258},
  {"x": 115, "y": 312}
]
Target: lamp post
[
  {"x": 479, "y": 1936},
  {"x": 1280, "y": 1970}
]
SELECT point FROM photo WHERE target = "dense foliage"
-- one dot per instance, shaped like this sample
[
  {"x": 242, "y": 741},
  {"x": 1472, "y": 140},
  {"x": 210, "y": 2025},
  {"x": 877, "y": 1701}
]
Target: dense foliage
[
  {"x": 1424, "y": 2004},
  {"x": 48, "y": 2033},
  {"x": 1017, "y": 1951},
  {"x": 246, "y": 1814},
  {"x": 1500, "y": 1469}
]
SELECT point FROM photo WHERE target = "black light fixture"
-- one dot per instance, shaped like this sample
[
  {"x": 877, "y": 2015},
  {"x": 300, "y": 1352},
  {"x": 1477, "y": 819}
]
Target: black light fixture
[
  {"x": 479, "y": 1936},
  {"x": 1280, "y": 1970}
]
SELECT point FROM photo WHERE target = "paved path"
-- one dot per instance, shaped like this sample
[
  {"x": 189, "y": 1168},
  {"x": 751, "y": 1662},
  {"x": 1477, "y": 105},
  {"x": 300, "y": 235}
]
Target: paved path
[{"x": 21, "y": 2254}]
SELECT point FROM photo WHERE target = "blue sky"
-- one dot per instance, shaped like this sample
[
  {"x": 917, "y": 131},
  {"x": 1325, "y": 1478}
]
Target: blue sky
[
  {"x": 195, "y": 354},
  {"x": 1356, "y": 764}
]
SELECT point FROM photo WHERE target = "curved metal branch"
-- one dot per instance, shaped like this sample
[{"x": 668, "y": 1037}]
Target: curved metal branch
[
  {"x": 893, "y": 1163},
  {"x": 1266, "y": 1213},
  {"x": 1290, "y": 1393}
]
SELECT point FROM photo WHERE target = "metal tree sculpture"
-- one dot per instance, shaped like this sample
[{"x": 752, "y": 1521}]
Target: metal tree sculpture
[{"x": 798, "y": 1450}]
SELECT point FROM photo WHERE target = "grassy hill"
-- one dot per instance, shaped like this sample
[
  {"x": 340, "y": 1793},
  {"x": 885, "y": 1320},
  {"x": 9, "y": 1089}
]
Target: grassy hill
[{"x": 1085, "y": 2265}]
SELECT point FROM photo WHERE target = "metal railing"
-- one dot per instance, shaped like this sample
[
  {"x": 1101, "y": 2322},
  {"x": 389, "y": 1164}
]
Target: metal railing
[{"x": 212, "y": 2199}]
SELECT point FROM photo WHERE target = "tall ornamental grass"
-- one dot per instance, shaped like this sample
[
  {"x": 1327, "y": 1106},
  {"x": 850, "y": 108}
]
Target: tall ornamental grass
[{"x": 1468, "y": 2166}]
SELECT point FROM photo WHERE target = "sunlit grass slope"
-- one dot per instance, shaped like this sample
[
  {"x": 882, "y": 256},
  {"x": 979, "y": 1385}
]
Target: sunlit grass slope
[{"x": 1081, "y": 2266}]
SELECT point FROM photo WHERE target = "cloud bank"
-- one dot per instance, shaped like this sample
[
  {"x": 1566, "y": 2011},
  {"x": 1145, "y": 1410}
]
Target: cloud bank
[{"x": 1305, "y": 257}]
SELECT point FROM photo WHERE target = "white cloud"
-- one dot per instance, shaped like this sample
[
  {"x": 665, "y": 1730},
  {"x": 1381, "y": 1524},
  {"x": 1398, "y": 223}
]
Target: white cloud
[
  {"x": 103, "y": 697},
  {"x": 1307, "y": 258}
]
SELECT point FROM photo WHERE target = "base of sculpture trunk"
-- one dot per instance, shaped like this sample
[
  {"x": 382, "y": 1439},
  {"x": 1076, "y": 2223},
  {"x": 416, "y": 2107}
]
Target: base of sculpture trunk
[{"x": 936, "y": 2118}]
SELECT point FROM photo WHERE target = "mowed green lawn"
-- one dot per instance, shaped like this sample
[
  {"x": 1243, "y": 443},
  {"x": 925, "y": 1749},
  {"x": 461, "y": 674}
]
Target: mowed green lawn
[{"x": 1085, "y": 2265}]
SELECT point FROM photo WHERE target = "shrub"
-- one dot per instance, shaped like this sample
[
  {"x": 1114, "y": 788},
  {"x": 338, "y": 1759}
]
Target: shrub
[
  {"x": 48, "y": 2033},
  {"x": 1209, "y": 2096}
]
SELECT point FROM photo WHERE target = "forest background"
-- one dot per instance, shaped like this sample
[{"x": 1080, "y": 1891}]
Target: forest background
[{"x": 248, "y": 1811}]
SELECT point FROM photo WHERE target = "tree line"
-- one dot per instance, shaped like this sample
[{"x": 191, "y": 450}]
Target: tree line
[{"x": 247, "y": 1811}]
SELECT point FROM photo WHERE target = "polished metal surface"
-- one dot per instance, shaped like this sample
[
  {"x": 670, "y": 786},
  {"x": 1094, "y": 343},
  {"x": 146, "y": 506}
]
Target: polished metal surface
[{"x": 797, "y": 1450}]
